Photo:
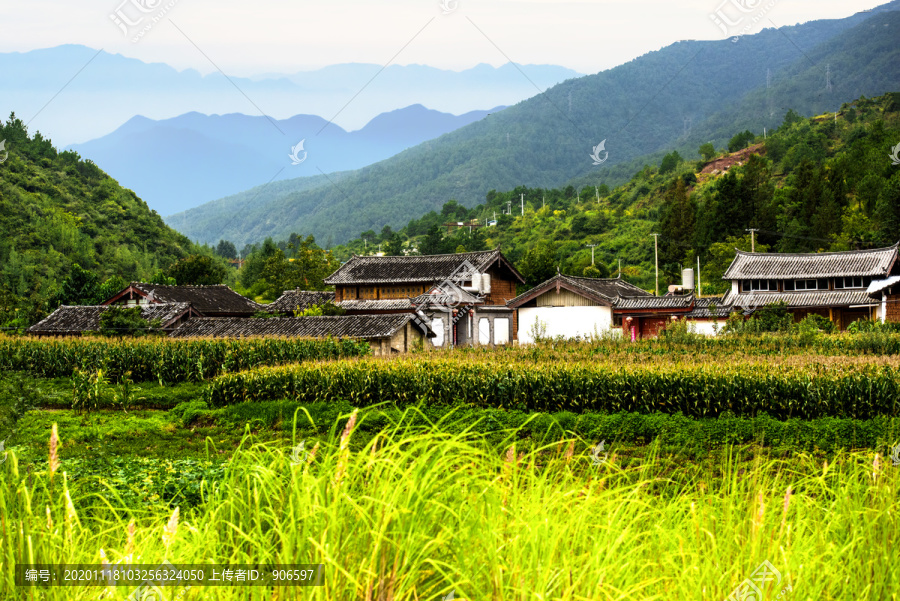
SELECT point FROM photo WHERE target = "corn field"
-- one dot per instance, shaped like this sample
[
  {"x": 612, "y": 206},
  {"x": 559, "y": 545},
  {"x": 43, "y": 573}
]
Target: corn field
[
  {"x": 163, "y": 360},
  {"x": 859, "y": 389}
]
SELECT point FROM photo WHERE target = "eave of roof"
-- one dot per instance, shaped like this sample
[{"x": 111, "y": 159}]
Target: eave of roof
[
  {"x": 877, "y": 286},
  {"x": 801, "y": 300},
  {"x": 670, "y": 303}
]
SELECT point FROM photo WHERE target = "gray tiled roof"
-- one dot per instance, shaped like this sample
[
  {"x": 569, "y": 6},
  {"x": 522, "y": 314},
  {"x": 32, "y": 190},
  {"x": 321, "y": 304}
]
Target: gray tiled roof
[
  {"x": 874, "y": 263},
  {"x": 625, "y": 303},
  {"x": 73, "y": 319},
  {"x": 427, "y": 268},
  {"x": 290, "y": 300},
  {"x": 607, "y": 289},
  {"x": 343, "y": 326},
  {"x": 386, "y": 304},
  {"x": 703, "y": 308},
  {"x": 799, "y": 300},
  {"x": 209, "y": 300}
]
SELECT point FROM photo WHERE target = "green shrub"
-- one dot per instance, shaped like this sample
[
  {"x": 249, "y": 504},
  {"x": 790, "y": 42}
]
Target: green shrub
[{"x": 189, "y": 411}]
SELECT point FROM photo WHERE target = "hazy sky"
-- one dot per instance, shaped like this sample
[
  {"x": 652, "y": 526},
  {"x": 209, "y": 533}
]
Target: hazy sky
[{"x": 249, "y": 37}]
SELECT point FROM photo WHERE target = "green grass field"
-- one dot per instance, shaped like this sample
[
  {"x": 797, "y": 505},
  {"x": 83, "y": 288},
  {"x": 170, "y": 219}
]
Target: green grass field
[{"x": 421, "y": 499}]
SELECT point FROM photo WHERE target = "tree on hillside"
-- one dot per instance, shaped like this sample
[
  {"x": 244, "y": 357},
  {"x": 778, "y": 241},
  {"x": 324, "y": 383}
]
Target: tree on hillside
[
  {"x": 394, "y": 246},
  {"x": 539, "y": 263},
  {"x": 707, "y": 151},
  {"x": 670, "y": 162},
  {"x": 82, "y": 287},
  {"x": 887, "y": 210},
  {"x": 598, "y": 270},
  {"x": 197, "y": 270},
  {"x": 159, "y": 277},
  {"x": 306, "y": 269},
  {"x": 790, "y": 118},
  {"x": 226, "y": 250},
  {"x": 676, "y": 224},
  {"x": 717, "y": 260},
  {"x": 433, "y": 243},
  {"x": 740, "y": 141},
  {"x": 111, "y": 287}
]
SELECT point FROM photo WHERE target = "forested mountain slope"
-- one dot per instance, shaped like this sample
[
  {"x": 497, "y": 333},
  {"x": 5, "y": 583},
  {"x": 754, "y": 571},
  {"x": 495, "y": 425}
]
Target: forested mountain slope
[
  {"x": 57, "y": 210},
  {"x": 816, "y": 184},
  {"x": 638, "y": 108}
]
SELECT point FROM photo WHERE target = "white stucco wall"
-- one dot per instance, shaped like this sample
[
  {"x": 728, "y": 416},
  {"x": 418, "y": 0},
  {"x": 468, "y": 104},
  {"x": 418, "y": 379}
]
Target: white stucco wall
[
  {"x": 706, "y": 327},
  {"x": 568, "y": 322}
]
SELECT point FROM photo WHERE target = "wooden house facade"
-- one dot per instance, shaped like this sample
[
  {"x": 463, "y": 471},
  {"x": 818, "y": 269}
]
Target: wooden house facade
[
  {"x": 836, "y": 285},
  {"x": 462, "y": 297}
]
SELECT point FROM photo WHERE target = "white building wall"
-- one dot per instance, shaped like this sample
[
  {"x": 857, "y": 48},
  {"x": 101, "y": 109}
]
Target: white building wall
[
  {"x": 706, "y": 327},
  {"x": 567, "y": 322}
]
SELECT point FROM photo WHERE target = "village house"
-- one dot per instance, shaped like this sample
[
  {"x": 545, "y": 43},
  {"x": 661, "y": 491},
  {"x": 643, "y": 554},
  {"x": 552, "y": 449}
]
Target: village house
[
  {"x": 571, "y": 307},
  {"x": 836, "y": 285},
  {"x": 462, "y": 297}
]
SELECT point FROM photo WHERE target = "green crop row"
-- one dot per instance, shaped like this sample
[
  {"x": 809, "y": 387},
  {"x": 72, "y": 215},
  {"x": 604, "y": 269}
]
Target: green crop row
[
  {"x": 859, "y": 391},
  {"x": 165, "y": 360}
]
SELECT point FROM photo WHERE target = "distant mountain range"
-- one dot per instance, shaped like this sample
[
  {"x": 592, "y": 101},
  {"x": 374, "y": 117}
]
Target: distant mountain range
[
  {"x": 676, "y": 98},
  {"x": 180, "y": 163},
  {"x": 110, "y": 89}
]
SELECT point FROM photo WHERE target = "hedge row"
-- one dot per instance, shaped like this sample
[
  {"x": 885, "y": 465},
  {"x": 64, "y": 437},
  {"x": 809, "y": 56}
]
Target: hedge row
[
  {"x": 165, "y": 360},
  {"x": 860, "y": 391},
  {"x": 674, "y": 433}
]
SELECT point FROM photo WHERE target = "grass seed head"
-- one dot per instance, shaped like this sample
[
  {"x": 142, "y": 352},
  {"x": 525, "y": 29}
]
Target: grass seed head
[
  {"x": 54, "y": 450},
  {"x": 171, "y": 528}
]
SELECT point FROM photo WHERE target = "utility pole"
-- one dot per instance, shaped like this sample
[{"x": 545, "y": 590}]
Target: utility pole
[
  {"x": 752, "y": 239},
  {"x": 523, "y": 204},
  {"x": 597, "y": 192},
  {"x": 620, "y": 268},
  {"x": 543, "y": 201},
  {"x": 656, "y": 259},
  {"x": 591, "y": 246},
  {"x": 828, "y": 87},
  {"x": 699, "y": 289}
]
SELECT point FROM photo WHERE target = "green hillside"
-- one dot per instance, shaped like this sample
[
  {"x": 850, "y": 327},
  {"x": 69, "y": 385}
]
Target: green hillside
[
  {"x": 57, "y": 210},
  {"x": 639, "y": 108},
  {"x": 813, "y": 184}
]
